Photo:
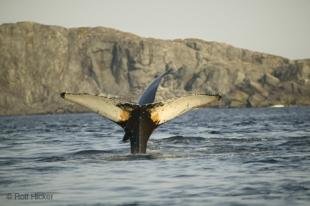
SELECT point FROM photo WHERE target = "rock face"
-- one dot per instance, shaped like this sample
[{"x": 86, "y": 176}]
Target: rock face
[{"x": 37, "y": 62}]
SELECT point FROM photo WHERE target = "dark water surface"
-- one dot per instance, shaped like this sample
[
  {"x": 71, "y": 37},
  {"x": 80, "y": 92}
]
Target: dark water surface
[{"x": 206, "y": 157}]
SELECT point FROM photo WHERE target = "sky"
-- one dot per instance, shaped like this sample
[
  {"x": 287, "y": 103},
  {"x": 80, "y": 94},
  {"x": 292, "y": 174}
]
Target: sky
[{"x": 280, "y": 27}]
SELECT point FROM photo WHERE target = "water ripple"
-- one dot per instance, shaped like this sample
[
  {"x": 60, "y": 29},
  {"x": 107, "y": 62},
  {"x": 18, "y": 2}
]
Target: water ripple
[{"x": 211, "y": 156}]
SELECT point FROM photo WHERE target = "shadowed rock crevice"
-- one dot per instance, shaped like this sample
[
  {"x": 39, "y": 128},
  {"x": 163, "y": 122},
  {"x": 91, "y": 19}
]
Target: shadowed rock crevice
[{"x": 37, "y": 62}]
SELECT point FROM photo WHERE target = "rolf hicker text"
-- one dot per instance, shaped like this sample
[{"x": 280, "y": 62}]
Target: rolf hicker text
[{"x": 30, "y": 196}]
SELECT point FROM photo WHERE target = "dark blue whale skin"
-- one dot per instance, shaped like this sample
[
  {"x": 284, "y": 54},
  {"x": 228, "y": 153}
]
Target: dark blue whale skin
[{"x": 140, "y": 126}]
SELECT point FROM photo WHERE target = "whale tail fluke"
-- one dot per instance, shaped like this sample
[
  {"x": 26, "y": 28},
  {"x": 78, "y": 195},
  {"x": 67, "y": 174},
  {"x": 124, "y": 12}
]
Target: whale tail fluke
[
  {"x": 140, "y": 120},
  {"x": 162, "y": 112},
  {"x": 111, "y": 108}
]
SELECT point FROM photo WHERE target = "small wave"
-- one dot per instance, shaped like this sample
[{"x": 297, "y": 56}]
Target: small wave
[
  {"x": 85, "y": 154},
  {"x": 267, "y": 160},
  {"x": 2, "y": 139},
  {"x": 8, "y": 162},
  {"x": 214, "y": 132},
  {"x": 76, "y": 155},
  {"x": 43, "y": 169},
  {"x": 236, "y": 139},
  {"x": 93, "y": 152},
  {"x": 151, "y": 155},
  {"x": 245, "y": 123},
  {"x": 6, "y": 182},
  {"x": 52, "y": 159},
  {"x": 91, "y": 130},
  {"x": 132, "y": 157},
  {"x": 292, "y": 143},
  {"x": 297, "y": 141},
  {"x": 294, "y": 187},
  {"x": 178, "y": 139},
  {"x": 56, "y": 141}
]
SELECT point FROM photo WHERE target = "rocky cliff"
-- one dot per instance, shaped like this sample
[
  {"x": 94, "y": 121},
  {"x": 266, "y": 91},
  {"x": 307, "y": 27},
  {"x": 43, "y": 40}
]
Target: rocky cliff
[{"x": 37, "y": 62}]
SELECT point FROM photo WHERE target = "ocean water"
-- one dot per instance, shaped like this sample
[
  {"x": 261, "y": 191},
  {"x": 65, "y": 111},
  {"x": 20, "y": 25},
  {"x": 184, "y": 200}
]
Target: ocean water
[{"x": 206, "y": 157}]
